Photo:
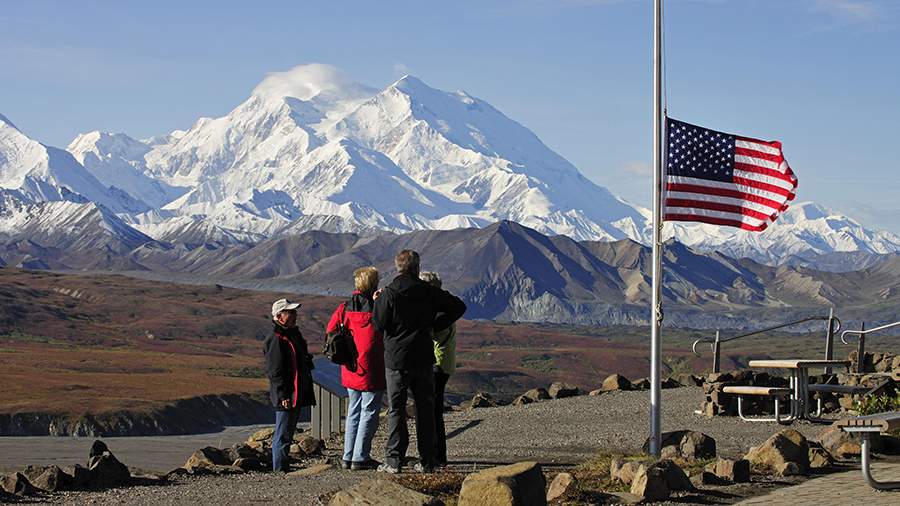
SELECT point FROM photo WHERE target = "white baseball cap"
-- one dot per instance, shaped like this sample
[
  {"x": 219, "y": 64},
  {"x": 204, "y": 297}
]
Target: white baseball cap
[{"x": 283, "y": 305}]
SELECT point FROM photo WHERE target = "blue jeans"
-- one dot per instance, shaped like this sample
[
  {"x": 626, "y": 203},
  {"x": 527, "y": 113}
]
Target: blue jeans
[
  {"x": 285, "y": 424},
  {"x": 362, "y": 422}
]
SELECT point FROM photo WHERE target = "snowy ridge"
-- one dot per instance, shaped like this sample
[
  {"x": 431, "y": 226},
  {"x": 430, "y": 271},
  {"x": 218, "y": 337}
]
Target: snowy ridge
[
  {"x": 310, "y": 149},
  {"x": 804, "y": 231}
]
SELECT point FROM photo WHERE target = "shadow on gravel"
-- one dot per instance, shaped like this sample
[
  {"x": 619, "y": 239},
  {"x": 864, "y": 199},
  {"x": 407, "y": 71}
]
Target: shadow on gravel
[
  {"x": 459, "y": 430},
  {"x": 705, "y": 496}
]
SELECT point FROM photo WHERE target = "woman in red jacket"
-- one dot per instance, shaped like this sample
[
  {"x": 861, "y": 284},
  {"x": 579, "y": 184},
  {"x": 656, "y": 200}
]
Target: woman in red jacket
[{"x": 364, "y": 380}]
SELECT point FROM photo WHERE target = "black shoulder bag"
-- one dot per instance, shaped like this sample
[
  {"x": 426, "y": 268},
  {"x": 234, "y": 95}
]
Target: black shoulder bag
[{"x": 339, "y": 346}]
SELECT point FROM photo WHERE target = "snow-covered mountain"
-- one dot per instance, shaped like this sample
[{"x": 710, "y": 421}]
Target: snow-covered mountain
[
  {"x": 44, "y": 173},
  {"x": 311, "y": 145},
  {"x": 805, "y": 231},
  {"x": 310, "y": 149}
]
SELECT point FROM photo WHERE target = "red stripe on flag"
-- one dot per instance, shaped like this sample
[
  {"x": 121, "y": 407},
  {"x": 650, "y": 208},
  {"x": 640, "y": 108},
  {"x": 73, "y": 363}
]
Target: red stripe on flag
[
  {"x": 718, "y": 206},
  {"x": 758, "y": 154},
  {"x": 764, "y": 186},
  {"x": 714, "y": 221},
  {"x": 722, "y": 192},
  {"x": 756, "y": 169}
]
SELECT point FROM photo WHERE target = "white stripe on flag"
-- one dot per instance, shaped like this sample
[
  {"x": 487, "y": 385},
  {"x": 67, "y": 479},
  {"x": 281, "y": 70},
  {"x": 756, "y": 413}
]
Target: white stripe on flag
[
  {"x": 777, "y": 197},
  {"x": 757, "y": 147},
  {"x": 749, "y": 220},
  {"x": 748, "y": 204},
  {"x": 759, "y": 162},
  {"x": 762, "y": 178}
]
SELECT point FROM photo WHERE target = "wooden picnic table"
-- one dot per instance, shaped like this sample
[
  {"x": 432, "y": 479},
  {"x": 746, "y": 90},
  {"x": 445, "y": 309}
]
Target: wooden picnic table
[{"x": 799, "y": 380}]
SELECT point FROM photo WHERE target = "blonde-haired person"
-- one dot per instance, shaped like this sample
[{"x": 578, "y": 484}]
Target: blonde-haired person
[
  {"x": 364, "y": 380},
  {"x": 444, "y": 366}
]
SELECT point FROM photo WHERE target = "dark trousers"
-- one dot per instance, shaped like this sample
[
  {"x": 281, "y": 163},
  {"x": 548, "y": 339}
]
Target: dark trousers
[
  {"x": 440, "y": 433},
  {"x": 285, "y": 425},
  {"x": 421, "y": 384}
]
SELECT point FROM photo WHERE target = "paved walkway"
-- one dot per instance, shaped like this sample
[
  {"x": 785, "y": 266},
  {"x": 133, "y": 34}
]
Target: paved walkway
[{"x": 846, "y": 487}]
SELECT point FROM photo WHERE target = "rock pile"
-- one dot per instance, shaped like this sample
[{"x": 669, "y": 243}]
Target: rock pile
[
  {"x": 875, "y": 362},
  {"x": 103, "y": 471},
  {"x": 255, "y": 454}
]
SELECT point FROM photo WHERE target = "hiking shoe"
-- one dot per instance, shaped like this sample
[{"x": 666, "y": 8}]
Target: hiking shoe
[
  {"x": 365, "y": 465},
  {"x": 387, "y": 468},
  {"x": 346, "y": 465},
  {"x": 423, "y": 468}
]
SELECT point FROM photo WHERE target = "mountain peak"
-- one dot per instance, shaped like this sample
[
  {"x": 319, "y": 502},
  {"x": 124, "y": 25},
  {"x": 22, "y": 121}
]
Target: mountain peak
[{"x": 4, "y": 119}]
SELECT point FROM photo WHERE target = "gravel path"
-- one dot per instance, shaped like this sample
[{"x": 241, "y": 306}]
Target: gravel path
[{"x": 561, "y": 431}]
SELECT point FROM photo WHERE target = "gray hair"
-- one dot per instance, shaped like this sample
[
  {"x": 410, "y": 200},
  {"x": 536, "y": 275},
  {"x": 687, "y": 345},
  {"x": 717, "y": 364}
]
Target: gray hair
[{"x": 432, "y": 278}]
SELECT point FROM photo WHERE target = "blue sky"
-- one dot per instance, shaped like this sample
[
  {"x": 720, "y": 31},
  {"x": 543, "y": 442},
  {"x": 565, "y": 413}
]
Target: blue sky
[{"x": 823, "y": 76}]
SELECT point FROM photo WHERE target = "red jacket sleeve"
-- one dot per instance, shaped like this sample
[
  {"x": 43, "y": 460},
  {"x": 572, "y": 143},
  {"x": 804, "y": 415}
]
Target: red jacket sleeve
[{"x": 335, "y": 318}]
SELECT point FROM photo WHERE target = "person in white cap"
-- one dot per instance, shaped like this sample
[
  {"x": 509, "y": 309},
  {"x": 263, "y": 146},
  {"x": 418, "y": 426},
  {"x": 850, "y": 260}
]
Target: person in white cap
[{"x": 289, "y": 369}]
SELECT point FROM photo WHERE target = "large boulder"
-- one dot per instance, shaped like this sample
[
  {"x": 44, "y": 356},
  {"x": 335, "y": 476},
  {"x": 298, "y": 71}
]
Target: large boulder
[
  {"x": 650, "y": 484},
  {"x": 785, "y": 453},
  {"x": 262, "y": 435},
  {"x": 208, "y": 459},
  {"x": 840, "y": 444},
  {"x": 737, "y": 471},
  {"x": 107, "y": 471},
  {"x": 623, "y": 471},
  {"x": 562, "y": 484},
  {"x": 310, "y": 446},
  {"x": 676, "y": 478},
  {"x": 685, "y": 445},
  {"x": 16, "y": 484},
  {"x": 519, "y": 484},
  {"x": 50, "y": 478},
  {"x": 819, "y": 458},
  {"x": 641, "y": 384},
  {"x": 243, "y": 451},
  {"x": 615, "y": 382},
  {"x": 482, "y": 400},
  {"x": 537, "y": 394},
  {"x": 562, "y": 390},
  {"x": 81, "y": 476},
  {"x": 382, "y": 493},
  {"x": 522, "y": 400}
]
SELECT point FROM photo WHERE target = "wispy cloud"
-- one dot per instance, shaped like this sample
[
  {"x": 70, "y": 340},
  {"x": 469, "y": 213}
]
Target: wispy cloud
[
  {"x": 638, "y": 168},
  {"x": 849, "y": 10}
]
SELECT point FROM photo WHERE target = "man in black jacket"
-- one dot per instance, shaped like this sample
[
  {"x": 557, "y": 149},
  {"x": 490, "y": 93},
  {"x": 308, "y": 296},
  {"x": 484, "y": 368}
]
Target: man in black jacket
[
  {"x": 289, "y": 368},
  {"x": 408, "y": 312}
]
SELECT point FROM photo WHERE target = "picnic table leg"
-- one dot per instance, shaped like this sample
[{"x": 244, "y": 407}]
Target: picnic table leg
[{"x": 866, "y": 470}]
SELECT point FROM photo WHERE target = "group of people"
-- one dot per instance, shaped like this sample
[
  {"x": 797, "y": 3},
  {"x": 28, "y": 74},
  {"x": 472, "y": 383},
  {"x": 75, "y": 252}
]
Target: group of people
[{"x": 405, "y": 340}]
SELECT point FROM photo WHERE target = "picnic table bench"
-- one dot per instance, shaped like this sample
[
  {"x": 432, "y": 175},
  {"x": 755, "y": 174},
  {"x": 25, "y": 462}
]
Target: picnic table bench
[
  {"x": 799, "y": 385},
  {"x": 778, "y": 393},
  {"x": 878, "y": 423}
]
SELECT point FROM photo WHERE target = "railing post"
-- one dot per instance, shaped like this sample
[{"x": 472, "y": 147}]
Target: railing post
[
  {"x": 717, "y": 357},
  {"x": 861, "y": 350},
  {"x": 829, "y": 340}
]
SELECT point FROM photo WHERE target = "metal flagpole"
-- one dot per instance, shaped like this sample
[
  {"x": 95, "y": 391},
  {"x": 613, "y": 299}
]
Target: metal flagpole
[{"x": 656, "y": 303}]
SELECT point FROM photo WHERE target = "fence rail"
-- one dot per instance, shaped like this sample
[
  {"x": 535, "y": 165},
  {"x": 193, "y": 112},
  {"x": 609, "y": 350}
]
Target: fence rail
[
  {"x": 716, "y": 342},
  {"x": 861, "y": 343}
]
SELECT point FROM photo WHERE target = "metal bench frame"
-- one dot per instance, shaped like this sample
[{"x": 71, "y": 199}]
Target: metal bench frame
[
  {"x": 777, "y": 418},
  {"x": 878, "y": 425}
]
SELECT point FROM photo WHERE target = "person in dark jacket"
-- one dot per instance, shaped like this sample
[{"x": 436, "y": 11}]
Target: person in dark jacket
[
  {"x": 444, "y": 366},
  {"x": 364, "y": 379},
  {"x": 289, "y": 368},
  {"x": 409, "y": 312}
]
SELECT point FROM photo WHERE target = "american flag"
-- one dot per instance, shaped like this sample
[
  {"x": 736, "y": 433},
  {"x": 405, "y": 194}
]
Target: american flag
[{"x": 723, "y": 179}]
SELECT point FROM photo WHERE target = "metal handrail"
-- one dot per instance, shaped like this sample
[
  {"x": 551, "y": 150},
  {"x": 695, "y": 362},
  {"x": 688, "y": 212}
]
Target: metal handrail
[
  {"x": 717, "y": 341},
  {"x": 861, "y": 332},
  {"x": 810, "y": 319}
]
